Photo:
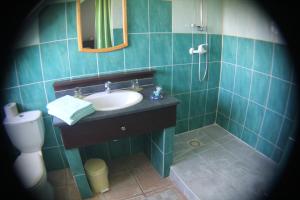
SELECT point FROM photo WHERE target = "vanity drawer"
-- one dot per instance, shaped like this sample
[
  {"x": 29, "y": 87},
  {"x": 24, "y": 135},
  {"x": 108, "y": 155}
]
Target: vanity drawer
[{"x": 98, "y": 131}]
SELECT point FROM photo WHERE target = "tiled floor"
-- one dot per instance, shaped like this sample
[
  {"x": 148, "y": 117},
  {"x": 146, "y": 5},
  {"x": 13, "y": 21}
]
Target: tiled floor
[
  {"x": 131, "y": 178},
  {"x": 211, "y": 164}
]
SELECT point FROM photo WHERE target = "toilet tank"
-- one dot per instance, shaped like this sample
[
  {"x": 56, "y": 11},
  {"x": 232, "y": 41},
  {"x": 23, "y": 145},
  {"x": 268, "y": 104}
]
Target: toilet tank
[{"x": 26, "y": 131}]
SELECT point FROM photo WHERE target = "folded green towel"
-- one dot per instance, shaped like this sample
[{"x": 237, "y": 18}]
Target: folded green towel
[
  {"x": 76, "y": 117},
  {"x": 68, "y": 104},
  {"x": 70, "y": 109}
]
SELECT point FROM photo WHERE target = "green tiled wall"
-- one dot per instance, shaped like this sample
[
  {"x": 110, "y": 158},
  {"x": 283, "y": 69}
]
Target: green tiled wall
[
  {"x": 258, "y": 94},
  {"x": 151, "y": 45}
]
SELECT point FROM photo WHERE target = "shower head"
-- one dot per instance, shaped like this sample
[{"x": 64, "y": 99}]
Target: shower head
[{"x": 199, "y": 27}]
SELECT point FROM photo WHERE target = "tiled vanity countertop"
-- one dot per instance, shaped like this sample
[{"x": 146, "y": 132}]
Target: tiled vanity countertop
[{"x": 146, "y": 104}]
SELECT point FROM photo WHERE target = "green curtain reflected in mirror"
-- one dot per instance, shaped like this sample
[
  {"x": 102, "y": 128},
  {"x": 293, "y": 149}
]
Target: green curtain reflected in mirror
[{"x": 103, "y": 38}]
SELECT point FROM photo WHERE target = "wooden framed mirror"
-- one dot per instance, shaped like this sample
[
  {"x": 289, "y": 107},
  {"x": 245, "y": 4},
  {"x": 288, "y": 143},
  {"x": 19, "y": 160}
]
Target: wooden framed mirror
[{"x": 101, "y": 25}]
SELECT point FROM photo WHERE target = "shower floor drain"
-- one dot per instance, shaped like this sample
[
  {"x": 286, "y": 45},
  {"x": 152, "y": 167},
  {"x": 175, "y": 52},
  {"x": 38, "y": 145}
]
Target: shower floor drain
[{"x": 194, "y": 143}]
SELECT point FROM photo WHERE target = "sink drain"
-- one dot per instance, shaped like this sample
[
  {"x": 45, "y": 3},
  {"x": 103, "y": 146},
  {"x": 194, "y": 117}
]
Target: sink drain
[{"x": 194, "y": 143}]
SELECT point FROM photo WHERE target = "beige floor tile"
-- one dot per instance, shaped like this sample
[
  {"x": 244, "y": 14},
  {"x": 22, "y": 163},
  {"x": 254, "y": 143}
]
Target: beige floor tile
[
  {"x": 57, "y": 178},
  {"x": 61, "y": 177},
  {"x": 61, "y": 193},
  {"x": 73, "y": 193},
  {"x": 122, "y": 186},
  {"x": 149, "y": 179},
  {"x": 97, "y": 197},
  {"x": 138, "y": 161}
]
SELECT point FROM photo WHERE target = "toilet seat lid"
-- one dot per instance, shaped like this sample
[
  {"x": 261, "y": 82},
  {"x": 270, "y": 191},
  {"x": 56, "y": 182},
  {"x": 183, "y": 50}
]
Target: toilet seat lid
[{"x": 29, "y": 168}]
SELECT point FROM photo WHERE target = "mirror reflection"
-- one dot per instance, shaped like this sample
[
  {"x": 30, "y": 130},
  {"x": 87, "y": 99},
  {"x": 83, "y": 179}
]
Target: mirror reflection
[{"x": 102, "y": 24}]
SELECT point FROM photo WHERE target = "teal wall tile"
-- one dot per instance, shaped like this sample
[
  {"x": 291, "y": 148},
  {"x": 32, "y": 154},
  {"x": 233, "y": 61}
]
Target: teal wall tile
[
  {"x": 258, "y": 54},
  {"x": 196, "y": 122},
  {"x": 242, "y": 82},
  {"x": 137, "y": 52},
  {"x": 181, "y": 45},
  {"x": 238, "y": 109},
  {"x": 278, "y": 95},
  {"x": 50, "y": 90},
  {"x": 10, "y": 79},
  {"x": 292, "y": 104},
  {"x": 222, "y": 121},
  {"x": 58, "y": 135},
  {"x": 28, "y": 65},
  {"x": 160, "y": 16},
  {"x": 224, "y": 103},
  {"x": 81, "y": 63},
  {"x": 214, "y": 75},
  {"x": 209, "y": 119},
  {"x": 227, "y": 76},
  {"x": 265, "y": 147},
  {"x": 147, "y": 145},
  {"x": 182, "y": 109},
  {"x": 75, "y": 162},
  {"x": 271, "y": 126},
  {"x": 212, "y": 100},
  {"x": 229, "y": 49},
  {"x": 119, "y": 147},
  {"x": 181, "y": 78},
  {"x": 71, "y": 20},
  {"x": 64, "y": 157},
  {"x": 277, "y": 155},
  {"x": 167, "y": 164},
  {"x": 52, "y": 22},
  {"x": 163, "y": 78},
  {"x": 55, "y": 60},
  {"x": 157, "y": 158},
  {"x": 97, "y": 151},
  {"x": 215, "y": 47},
  {"x": 11, "y": 95},
  {"x": 263, "y": 56},
  {"x": 33, "y": 97},
  {"x": 235, "y": 128},
  {"x": 169, "y": 139},
  {"x": 254, "y": 117},
  {"x": 158, "y": 138},
  {"x": 83, "y": 186},
  {"x": 53, "y": 159},
  {"x": 160, "y": 49},
  {"x": 249, "y": 137},
  {"x": 50, "y": 138},
  {"x": 198, "y": 101},
  {"x": 282, "y": 66},
  {"x": 245, "y": 52},
  {"x": 181, "y": 126},
  {"x": 111, "y": 61},
  {"x": 259, "y": 88},
  {"x": 137, "y": 144},
  {"x": 196, "y": 83},
  {"x": 288, "y": 129},
  {"x": 137, "y": 16}
]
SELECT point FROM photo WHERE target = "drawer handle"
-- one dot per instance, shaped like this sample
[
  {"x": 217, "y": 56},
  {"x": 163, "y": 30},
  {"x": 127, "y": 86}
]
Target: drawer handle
[{"x": 123, "y": 128}]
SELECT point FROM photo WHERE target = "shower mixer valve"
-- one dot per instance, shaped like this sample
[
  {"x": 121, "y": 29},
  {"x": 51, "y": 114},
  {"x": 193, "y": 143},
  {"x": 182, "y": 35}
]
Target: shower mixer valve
[{"x": 200, "y": 50}]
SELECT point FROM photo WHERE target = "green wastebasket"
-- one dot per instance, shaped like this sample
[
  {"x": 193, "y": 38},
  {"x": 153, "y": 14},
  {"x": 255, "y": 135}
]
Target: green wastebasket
[{"x": 97, "y": 174}]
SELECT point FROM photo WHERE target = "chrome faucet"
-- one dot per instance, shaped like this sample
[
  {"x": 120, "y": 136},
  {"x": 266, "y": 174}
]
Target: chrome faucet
[{"x": 107, "y": 87}]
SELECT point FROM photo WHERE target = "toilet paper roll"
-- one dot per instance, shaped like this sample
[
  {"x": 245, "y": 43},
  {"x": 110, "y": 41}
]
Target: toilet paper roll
[{"x": 11, "y": 110}]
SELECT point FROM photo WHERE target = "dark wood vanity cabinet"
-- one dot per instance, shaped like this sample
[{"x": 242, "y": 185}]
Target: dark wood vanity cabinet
[{"x": 97, "y": 131}]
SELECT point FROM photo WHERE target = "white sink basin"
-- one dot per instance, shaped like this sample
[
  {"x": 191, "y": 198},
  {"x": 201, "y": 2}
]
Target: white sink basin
[{"x": 115, "y": 100}]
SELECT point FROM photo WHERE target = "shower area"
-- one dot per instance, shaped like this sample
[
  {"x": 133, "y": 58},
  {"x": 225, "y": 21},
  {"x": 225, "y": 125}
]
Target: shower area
[{"x": 237, "y": 124}]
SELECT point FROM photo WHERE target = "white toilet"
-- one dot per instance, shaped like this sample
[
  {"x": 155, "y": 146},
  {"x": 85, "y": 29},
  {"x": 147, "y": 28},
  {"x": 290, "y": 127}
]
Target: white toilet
[{"x": 26, "y": 131}]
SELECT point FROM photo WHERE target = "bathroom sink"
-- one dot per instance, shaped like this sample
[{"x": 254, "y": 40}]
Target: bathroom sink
[{"x": 117, "y": 99}]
